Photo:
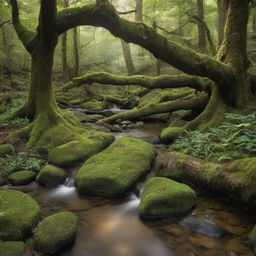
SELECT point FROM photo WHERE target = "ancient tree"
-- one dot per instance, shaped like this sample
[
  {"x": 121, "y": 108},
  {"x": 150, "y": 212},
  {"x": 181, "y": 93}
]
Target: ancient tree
[{"x": 224, "y": 78}]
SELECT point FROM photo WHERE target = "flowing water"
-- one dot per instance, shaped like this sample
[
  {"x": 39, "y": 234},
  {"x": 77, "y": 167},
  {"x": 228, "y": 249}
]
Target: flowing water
[{"x": 112, "y": 227}]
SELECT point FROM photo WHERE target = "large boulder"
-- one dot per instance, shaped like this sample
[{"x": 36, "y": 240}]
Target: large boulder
[
  {"x": 21, "y": 178},
  {"x": 55, "y": 232},
  {"x": 12, "y": 248},
  {"x": 50, "y": 176},
  {"x": 252, "y": 239},
  {"x": 19, "y": 214},
  {"x": 163, "y": 197},
  {"x": 116, "y": 169}
]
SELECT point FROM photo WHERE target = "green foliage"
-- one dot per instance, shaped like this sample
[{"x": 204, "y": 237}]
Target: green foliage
[
  {"x": 234, "y": 139},
  {"x": 20, "y": 162},
  {"x": 18, "y": 122}
]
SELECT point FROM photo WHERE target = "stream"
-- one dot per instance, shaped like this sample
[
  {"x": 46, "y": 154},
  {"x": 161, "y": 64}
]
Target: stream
[{"x": 112, "y": 227}]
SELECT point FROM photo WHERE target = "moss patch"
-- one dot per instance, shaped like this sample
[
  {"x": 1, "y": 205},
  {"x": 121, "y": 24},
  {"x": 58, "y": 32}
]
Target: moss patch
[
  {"x": 6, "y": 149},
  {"x": 163, "y": 197},
  {"x": 169, "y": 134},
  {"x": 21, "y": 178},
  {"x": 12, "y": 248},
  {"x": 116, "y": 169},
  {"x": 80, "y": 149},
  {"x": 55, "y": 232},
  {"x": 19, "y": 213},
  {"x": 50, "y": 176},
  {"x": 93, "y": 105}
]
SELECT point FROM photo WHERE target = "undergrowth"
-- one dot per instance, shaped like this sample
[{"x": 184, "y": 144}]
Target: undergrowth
[
  {"x": 234, "y": 139},
  {"x": 19, "y": 162}
]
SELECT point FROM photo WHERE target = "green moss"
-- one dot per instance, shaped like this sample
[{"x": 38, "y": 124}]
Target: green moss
[
  {"x": 79, "y": 150},
  {"x": 50, "y": 176},
  {"x": 116, "y": 169},
  {"x": 12, "y": 248},
  {"x": 163, "y": 197},
  {"x": 6, "y": 149},
  {"x": 252, "y": 238},
  {"x": 55, "y": 232},
  {"x": 2, "y": 181},
  {"x": 19, "y": 213},
  {"x": 93, "y": 105},
  {"x": 169, "y": 134},
  {"x": 21, "y": 177}
]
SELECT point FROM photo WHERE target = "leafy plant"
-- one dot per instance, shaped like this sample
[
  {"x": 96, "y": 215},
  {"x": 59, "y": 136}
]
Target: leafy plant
[
  {"x": 234, "y": 139},
  {"x": 18, "y": 122},
  {"x": 21, "y": 161}
]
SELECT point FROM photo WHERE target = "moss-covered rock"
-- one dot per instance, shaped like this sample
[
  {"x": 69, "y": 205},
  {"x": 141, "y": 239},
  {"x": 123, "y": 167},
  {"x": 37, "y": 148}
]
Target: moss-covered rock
[
  {"x": 116, "y": 169},
  {"x": 19, "y": 213},
  {"x": 163, "y": 197},
  {"x": 80, "y": 149},
  {"x": 93, "y": 105},
  {"x": 21, "y": 177},
  {"x": 55, "y": 232},
  {"x": 50, "y": 176},
  {"x": 252, "y": 239},
  {"x": 12, "y": 248},
  {"x": 169, "y": 134},
  {"x": 6, "y": 149}
]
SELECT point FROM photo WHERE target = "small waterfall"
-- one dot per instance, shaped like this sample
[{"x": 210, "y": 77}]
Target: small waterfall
[
  {"x": 64, "y": 191},
  {"x": 130, "y": 206}
]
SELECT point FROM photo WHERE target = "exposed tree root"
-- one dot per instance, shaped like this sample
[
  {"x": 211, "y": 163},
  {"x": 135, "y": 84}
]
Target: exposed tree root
[
  {"x": 162, "y": 82},
  {"x": 188, "y": 102},
  {"x": 60, "y": 136},
  {"x": 235, "y": 179}
]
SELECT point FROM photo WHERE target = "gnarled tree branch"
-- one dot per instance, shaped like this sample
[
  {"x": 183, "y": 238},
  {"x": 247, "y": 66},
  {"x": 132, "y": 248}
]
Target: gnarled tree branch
[
  {"x": 161, "y": 82},
  {"x": 104, "y": 15},
  {"x": 26, "y": 36}
]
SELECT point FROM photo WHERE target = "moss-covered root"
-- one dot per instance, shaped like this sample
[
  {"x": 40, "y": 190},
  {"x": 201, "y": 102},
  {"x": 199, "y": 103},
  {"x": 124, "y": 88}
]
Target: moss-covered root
[
  {"x": 55, "y": 232},
  {"x": 252, "y": 239},
  {"x": 12, "y": 248},
  {"x": 151, "y": 109},
  {"x": 19, "y": 214},
  {"x": 236, "y": 179},
  {"x": 62, "y": 139},
  {"x": 163, "y": 197},
  {"x": 116, "y": 169}
]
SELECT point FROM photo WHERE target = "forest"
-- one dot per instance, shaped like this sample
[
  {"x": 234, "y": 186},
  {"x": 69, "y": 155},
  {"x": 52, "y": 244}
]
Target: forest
[{"x": 127, "y": 128}]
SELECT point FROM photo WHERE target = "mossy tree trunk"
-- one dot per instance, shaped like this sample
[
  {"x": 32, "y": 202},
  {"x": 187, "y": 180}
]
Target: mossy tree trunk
[{"x": 201, "y": 27}]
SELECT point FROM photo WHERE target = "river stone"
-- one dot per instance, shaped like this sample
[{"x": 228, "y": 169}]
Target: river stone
[
  {"x": 6, "y": 149},
  {"x": 50, "y": 176},
  {"x": 21, "y": 178},
  {"x": 12, "y": 248},
  {"x": 252, "y": 239},
  {"x": 19, "y": 214},
  {"x": 202, "y": 224},
  {"x": 55, "y": 232},
  {"x": 116, "y": 169},
  {"x": 163, "y": 197}
]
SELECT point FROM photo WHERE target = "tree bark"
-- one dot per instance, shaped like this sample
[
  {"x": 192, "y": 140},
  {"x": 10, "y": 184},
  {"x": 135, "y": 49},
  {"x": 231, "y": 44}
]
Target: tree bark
[
  {"x": 76, "y": 52},
  {"x": 201, "y": 27},
  {"x": 128, "y": 58},
  {"x": 222, "y": 16},
  {"x": 139, "y": 11}
]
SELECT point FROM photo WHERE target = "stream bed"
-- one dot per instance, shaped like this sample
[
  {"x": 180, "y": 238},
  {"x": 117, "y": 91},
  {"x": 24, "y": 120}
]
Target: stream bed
[{"x": 112, "y": 227}]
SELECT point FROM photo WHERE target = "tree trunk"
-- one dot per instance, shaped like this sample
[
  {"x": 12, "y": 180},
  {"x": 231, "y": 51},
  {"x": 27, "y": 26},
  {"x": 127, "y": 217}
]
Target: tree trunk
[
  {"x": 76, "y": 52},
  {"x": 128, "y": 58},
  {"x": 254, "y": 23},
  {"x": 201, "y": 27},
  {"x": 139, "y": 11},
  {"x": 222, "y": 16},
  {"x": 65, "y": 67}
]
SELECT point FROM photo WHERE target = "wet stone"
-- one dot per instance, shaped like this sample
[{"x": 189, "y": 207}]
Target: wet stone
[{"x": 203, "y": 224}]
